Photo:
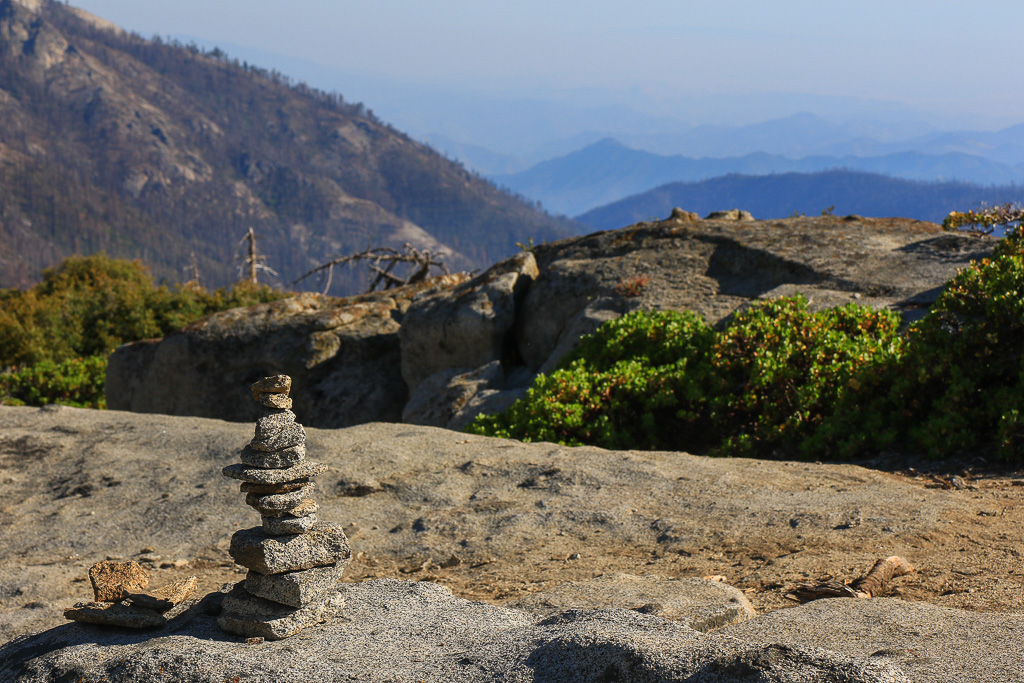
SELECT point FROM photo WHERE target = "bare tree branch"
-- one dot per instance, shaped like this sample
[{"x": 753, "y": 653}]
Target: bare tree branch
[{"x": 382, "y": 261}]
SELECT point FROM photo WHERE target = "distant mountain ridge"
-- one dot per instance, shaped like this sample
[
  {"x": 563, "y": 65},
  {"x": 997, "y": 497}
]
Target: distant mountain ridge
[
  {"x": 157, "y": 151},
  {"x": 607, "y": 171},
  {"x": 785, "y": 194}
]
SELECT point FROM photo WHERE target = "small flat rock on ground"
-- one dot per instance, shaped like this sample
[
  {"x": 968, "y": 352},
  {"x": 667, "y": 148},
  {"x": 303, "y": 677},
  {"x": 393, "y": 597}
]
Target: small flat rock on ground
[
  {"x": 391, "y": 630},
  {"x": 112, "y": 580},
  {"x": 701, "y": 604}
]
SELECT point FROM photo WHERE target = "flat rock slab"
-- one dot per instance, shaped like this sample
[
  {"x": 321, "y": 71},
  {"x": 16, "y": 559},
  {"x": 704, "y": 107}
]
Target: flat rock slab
[
  {"x": 304, "y": 508},
  {"x": 288, "y": 524},
  {"x": 390, "y": 630},
  {"x": 271, "y": 489},
  {"x": 261, "y": 475},
  {"x": 167, "y": 597},
  {"x": 276, "y": 384},
  {"x": 112, "y": 580},
  {"x": 519, "y": 517},
  {"x": 278, "y": 502},
  {"x": 701, "y": 604},
  {"x": 253, "y": 617},
  {"x": 929, "y": 643},
  {"x": 296, "y": 589},
  {"x": 324, "y": 544},
  {"x": 285, "y": 458},
  {"x": 114, "y": 614},
  {"x": 280, "y": 401},
  {"x": 289, "y": 436}
]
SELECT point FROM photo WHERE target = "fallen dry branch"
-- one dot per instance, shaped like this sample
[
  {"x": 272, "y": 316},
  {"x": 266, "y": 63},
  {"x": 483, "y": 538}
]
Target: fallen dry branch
[
  {"x": 871, "y": 585},
  {"x": 381, "y": 262}
]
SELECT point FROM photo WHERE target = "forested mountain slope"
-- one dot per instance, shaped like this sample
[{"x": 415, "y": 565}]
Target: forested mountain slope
[{"x": 157, "y": 151}]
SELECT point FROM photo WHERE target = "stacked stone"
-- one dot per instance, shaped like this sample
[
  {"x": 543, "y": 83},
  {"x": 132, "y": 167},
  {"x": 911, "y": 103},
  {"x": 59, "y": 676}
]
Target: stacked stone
[{"x": 294, "y": 560}]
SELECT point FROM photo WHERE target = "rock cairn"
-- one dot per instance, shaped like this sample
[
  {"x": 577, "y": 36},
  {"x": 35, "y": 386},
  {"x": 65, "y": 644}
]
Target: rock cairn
[{"x": 294, "y": 560}]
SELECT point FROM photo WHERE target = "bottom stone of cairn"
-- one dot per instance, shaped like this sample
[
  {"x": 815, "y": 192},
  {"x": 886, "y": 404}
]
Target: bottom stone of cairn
[{"x": 250, "y": 616}]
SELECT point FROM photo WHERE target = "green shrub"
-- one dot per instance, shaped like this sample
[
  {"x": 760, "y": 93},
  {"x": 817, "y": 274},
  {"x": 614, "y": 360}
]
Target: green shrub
[
  {"x": 90, "y": 305},
  {"x": 666, "y": 380},
  {"x": 962, "y": 378},
  {"x": 620, "y": 388},
  {"x": 783, "y": 370},
  {"x": 76, "y": 382},
  {"x": 54, "y": 338},
  {"x": 779, "y": 380}
]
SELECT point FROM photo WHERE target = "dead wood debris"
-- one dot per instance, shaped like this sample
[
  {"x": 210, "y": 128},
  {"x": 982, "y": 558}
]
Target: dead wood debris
[
  {"x": 382, "y": 262},
  {"x": 871, "y": 585}
]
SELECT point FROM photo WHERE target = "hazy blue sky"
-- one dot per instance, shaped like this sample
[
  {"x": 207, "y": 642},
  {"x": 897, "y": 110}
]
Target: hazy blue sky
[
  {"x": 944, "y": 56},
  {"x": 919, "y": 51}
]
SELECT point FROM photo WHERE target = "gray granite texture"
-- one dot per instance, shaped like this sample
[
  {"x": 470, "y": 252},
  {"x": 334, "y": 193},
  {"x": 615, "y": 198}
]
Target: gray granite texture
[
  {"x": 272, "y": 424},
  {"x": 296, "y": 589},
  {"x": 259, "y": 475},
  {"x": 289, "y": 436},
  {"x": 279, "y": 502},
  {"x": 286, "y": 458},
  {"x": 325, "y": 543},
  {"x": 253, "y": 617},
  {"x": 288, "y": 524},
  {"x": 390, "y": 630}
]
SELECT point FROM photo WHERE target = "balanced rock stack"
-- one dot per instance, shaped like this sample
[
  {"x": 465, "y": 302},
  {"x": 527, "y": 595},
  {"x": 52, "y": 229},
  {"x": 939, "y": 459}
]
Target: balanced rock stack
[{"x": 294, "y": 561}]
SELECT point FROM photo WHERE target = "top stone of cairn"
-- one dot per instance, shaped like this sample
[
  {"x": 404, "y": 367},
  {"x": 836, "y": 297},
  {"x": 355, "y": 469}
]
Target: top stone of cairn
[
  {"x": 278, "y": 384},
  {"x": 272, "y": 392}
]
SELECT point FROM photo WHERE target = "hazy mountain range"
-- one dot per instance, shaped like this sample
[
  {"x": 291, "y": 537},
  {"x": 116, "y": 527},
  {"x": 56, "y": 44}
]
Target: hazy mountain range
[{"x": 607, "y": 170}]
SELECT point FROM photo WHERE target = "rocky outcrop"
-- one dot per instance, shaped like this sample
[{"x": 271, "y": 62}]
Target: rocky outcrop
[
  {"x": 440, "y": 356},
  {"x": 343, "y": 355},
  {"x": 470, "y": 325},
  {"x": 713, "y": 266}
]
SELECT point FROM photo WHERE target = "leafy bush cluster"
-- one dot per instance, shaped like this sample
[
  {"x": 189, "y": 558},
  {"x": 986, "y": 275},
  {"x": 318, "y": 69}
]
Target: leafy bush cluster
[
  {"x": 54, "y": 338},
  {"x": 76, "y": 382},
  {"x": 666, "y": 380},
  {"x": 780, "y": 381}
]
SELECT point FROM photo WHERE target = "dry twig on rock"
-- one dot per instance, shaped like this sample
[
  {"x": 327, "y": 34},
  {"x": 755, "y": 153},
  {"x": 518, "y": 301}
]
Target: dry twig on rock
[
  {"x": 382, "y": 262},
  {"x": 870, "y": 585}
]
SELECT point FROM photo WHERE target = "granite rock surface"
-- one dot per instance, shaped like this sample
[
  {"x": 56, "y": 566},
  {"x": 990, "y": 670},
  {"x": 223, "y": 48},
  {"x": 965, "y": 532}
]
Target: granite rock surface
[{"x": 394, "y": 630}]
